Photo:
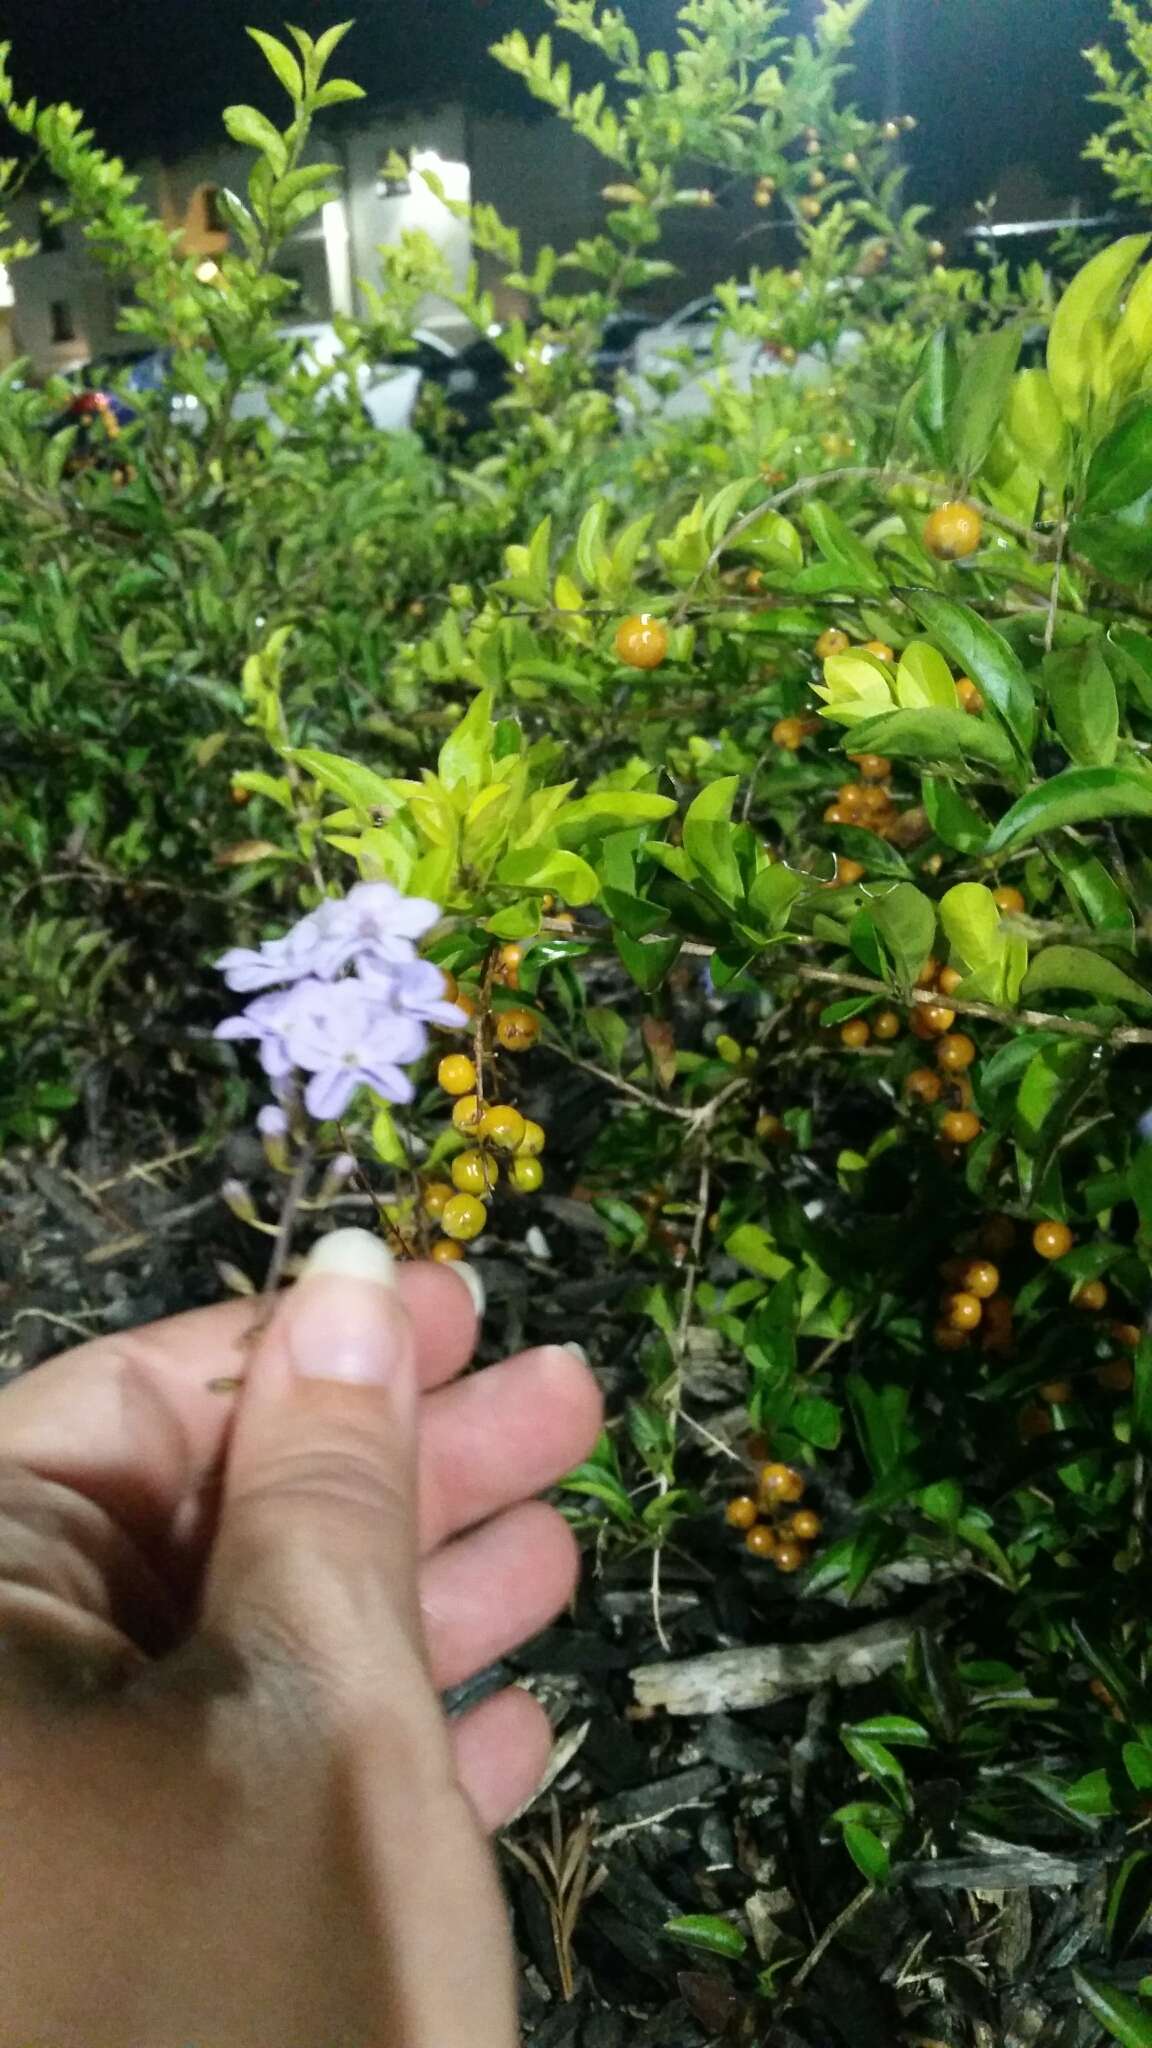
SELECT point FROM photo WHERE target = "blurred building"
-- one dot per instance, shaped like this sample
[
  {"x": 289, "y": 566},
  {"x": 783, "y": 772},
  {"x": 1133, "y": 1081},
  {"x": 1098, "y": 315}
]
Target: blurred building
[{"x": 541, "y": 178}]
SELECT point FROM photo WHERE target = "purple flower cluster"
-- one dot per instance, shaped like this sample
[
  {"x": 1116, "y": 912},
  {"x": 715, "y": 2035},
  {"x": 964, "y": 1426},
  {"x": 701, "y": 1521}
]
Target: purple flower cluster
[{"x": 342, "y": 998}]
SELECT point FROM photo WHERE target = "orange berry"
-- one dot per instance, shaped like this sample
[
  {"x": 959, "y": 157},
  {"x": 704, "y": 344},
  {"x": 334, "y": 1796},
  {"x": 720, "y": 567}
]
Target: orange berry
[
  {"x": 923, "y": 1085},
  {"x": 960, "y": 1127},
  {"x": 456, "y": 1074},
  {"x": 1092, "y": 1296},
  {"x": 880, "y": 649},
  {"x": 929, "y": 974},
  {"x": 871, "y": 767},
  {"x": 1057, "y": 1393},
  {"x": 467, "y": 1113},
  {"x": 240, "y": 796},
  {"x": 533, "y": 1140},
  {"x": 851, "y": 796},
  {"x": 886, "y": 1025},
  {"x": 981, "y": 1279},
  {"x": 770, "y": 1129},
  {"x": 948, "y": 980},
  {"x": 1053, "y": 1240},
  {"x": 997, "y": 1235},
  {"x": 642, "y": 642},
  {"x": 1034, "y": 1422},
  {"x": 790, "y": 1557},
  {"x": 849, "y": 871},
  {"x": 1009, "y": 902},
  {"x": 437, "y": 1196},
  {"x": 969, "y": 697},
  {"x": 832, "y": 641},
  {"x": 464, "y": 1218},
  {"x": 964, "y": 1311},
  {"x": 835, "y": 816},
  {"x": 955, "y": 1052},
  {"x": 805, "y": 1527},
  {"x": 873, "y": 803},
  {"x": 946, "y": 1338},
  {"x": 741, "y": 1513},
  {"x": 789, "y": 733},
  {"x": 1116, "y": 1377},
  {"x": 517, "y": 1030},
  {"x": 781, "y": 1484},
  {"x": 503, "y": 1127},
  {"x": 466, "y": 1001},
  {"x": 472, "y": 1174},
  {"x": 526, "y": 1174},
  {"x": 509, "y": 961},
  {"x": 932, "y": 1020},
  {"x": 854, "y": 1034},
  {"x": 1127, "y": 1334},
  {"x": 761, "y": 1540},
  {"x": 446, "y": 1253},
  {"x": 953, "y": 531}
]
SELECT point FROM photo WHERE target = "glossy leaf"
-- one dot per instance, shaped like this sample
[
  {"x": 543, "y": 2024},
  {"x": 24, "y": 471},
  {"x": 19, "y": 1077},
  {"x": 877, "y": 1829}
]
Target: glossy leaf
[
  {"x": 1082, "y": 701},
  {"x": 1074, "y": 967},
  {"x": 708, "y": 1931},
  {"x": 1121, "y": 469},
  {"x": 982, "y": 395},
  {"x": 949, "y": 736},
  {"x": 1093, "y": 295},
  {"x": 953, "y": 820},
  {"x": 1071, "y": 798},
  {"x": 982, "y": 654},
  {"x": 906, "y": 922},
  {"x": 1119, "y": 2015}
]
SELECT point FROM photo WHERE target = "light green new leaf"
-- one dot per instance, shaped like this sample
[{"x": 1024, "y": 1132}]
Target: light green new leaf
[
  {"x": 924, "y": 679},
  {"x": 249, "y": 126},
  {"x": 1037, "y": 428},
  {"x": 708, "y": 837},
  {"x": 971, "y": 921},
  {"x": 952, "y": 819},
  {"x": 466, "y": 756},
  {"x": 1092, "y": 297},
  {"x": 1075, "y": 967},
  {"x": 282, "y": 62},
  {"x": 1071, "y": 798},
  {"x": 934, "y": 736},
  {"x": 355, "y": 785},
  {"x": 610, "y": 810},
  {"x": 536, "y": 868},
  {"x": 707, "y": 1931}
]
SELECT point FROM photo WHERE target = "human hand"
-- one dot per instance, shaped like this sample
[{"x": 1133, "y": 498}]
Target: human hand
[{"x": 231, "y": 1811}]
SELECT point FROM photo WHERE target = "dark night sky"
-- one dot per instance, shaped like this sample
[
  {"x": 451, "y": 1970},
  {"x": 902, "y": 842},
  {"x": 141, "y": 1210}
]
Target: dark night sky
[{"x": 993, "y": 82}]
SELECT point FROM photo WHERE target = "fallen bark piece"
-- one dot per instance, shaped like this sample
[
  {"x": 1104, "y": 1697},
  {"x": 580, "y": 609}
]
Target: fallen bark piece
[{"x": 727, "y": 1681}]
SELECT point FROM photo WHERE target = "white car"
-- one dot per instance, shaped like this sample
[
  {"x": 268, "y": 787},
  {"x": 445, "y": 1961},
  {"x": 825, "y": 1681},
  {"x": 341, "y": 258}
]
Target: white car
[
  {"x": 388, "y": 392},
  {"x": 699, "y": 342}
]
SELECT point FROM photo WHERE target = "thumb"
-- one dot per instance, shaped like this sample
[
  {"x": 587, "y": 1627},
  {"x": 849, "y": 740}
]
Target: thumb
[{"x": 315, "y": 1559}]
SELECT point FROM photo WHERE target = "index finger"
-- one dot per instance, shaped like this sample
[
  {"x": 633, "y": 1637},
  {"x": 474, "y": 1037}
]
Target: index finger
[{"x": 138, "y": 1421}]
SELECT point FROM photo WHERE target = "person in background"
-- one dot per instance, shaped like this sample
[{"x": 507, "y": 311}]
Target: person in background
[{"x": 237, "y": 1569}]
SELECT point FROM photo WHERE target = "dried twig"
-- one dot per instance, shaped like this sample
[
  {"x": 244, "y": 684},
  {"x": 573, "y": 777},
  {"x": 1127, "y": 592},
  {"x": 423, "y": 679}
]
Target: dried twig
[
  {"x": 730, "y": 1681},
  {"x": 561, "y": 1867}
]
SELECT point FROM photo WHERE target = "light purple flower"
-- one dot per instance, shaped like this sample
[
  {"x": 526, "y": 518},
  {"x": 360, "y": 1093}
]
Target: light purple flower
[
  {"x": 415, "y": 986},
  {"x": 345, "y": 1039},
  {"x": 272, "y": 1121},
  {"x": 276, "y": 961},
  {"x": 266, "y": 1020},
  {"x": 374, "y": 926}
]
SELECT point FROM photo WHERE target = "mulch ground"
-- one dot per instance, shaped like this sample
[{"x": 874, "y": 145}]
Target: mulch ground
[{"x": 650, "y": 1816}]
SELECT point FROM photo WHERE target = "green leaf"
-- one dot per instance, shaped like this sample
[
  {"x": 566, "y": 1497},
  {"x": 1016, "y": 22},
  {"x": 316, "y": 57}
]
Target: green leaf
[
  {"x": 984, "y": 655},
  {"x": 335, "y": 91},
  {"x": 709, "y": 838},
  {"x": 894, "y": 1728},
  {"x": 906, "y": 923},
  {"x": 982, "y": 395},
  {"x": 354, "y": 784},
  {"x": 537, "y": 868},
  {"x": 1121, "y": 469},
  {"x": 386, "y": 1140},
  {"x": 752, "y": 1247},
  {"x": 868, "y": 1852},
  {"x": 249, "y": 126},
  {"x": 1127, "y": 2022},
  {"x": 648, "y": 961},
  {"x": 1092, "y": 296},
  {"x": 707, "y": 1931},
  {"x": 971, "y": 920},
  {"x": 1037, "y": 428},
  {"x": 1082, "y": 700},
  {"x": 1089, "y": 973},
  {"x": 952, "y": 819},
  {"x": 1142, "y": 1394},
  {"x": 818, "y": 1421},
  {"x": 466, "y": 756},
  {"x": 1093, "y": 891},
  {"x": 841, "y": 548},
  {"x": 939, "y": 378},
  {"x": 1071, "y": 798},
  {"x": 1118, "y": 543},
  {"x": 924, "y": 679},
  {"x": 950, "y": 736},
  {"x": 610, "y": 810},
  {"x": 283, "y": 63},
  {"x": 877, "y": 1760},
  {"x": 1138, "y": 1764}
]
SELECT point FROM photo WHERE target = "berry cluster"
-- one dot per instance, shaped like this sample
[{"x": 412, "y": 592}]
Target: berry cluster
[
  {"x": 772, "y": 1522},
  {"x": 503, "y": 1140}
]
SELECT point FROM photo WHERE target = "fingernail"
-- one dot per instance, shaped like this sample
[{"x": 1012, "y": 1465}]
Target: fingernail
[
  {"x": 342, "y": 1322},
  {"x": 470, "y": 1278},
  {"x": 577, "y": 1351}
]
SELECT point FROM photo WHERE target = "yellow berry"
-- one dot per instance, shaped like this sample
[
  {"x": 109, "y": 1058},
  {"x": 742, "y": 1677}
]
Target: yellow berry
[
  {"x": 467, "y": 1113},
  {"x": 742, "y": 1512},
  {"x": 953, "y": 531},
  {"x": 445, "y": 1252},
  {"x": 533, "y": 1139},
  {"x": 1052, "y": 1239},
  {"x": 517, "y": 1030},
  {"x": 642, "y": 642},
  {"x": 456, "y": 1074},
  {"x": 503, "y": 1127},
  {"x": 832, "y": 641},
  {"x": 437, "y": 1196},
  {"x": 781, "y": 1484},
  {"x": 1092, "y": 1296},
  {"x": 473, "y": 1174},
  {"x": 464, "y": 1218},
  {"x": 526, "y": 1174}
]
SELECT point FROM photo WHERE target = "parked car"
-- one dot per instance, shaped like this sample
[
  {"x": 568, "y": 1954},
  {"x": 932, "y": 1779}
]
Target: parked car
[{"x": 697, "y": 343}]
